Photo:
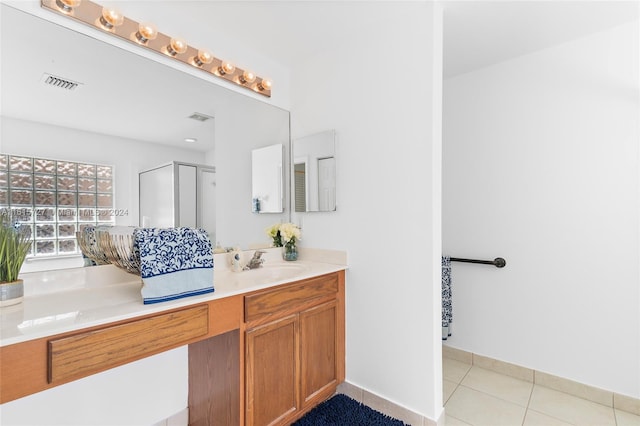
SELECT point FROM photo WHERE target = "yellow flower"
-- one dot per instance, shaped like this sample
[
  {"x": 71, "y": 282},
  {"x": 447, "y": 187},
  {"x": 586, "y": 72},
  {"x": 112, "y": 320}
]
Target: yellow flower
[
  {"x": 283, "y": 234},
  {"x": 272, "y": 231},
  {"x": 289, "y": 232}
]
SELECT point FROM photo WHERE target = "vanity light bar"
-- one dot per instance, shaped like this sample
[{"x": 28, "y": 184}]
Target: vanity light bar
[{"x": 145, "y": 35}]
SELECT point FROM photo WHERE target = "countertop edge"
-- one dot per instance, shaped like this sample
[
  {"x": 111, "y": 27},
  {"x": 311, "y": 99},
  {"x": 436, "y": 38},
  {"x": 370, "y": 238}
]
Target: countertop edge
[{"x": 222, "y": 290}]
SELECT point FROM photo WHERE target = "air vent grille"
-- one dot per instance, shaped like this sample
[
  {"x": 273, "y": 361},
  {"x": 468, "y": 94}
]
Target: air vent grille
[
  {"x": 200, "y": 117},
  {"x": 63, "y": 83}
]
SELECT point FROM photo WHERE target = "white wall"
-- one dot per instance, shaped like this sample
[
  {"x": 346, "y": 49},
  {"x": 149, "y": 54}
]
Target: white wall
[
  {"x": 541, "y": 168},
  {"x": 378, "y": 93},
  {"x": 140, "y": 393}
]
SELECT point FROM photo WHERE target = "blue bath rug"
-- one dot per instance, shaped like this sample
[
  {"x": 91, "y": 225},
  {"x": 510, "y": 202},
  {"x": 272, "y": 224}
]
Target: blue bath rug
[{"x": 340, "y": 410}]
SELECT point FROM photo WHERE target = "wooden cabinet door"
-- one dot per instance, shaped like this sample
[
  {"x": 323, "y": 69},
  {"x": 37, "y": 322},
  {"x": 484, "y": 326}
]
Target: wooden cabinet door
[
  {"x": 272, "y": 371},
  {"x": 318, "y": 351}
]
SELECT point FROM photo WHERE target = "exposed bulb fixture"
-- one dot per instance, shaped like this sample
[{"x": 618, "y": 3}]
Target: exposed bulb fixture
[
  {"x": 111, "y": 18},
  {"x": 226, "y": 68},
  {"x": 146, "y": 32},
  {"x": 177, "y": 46},
  {"x": 203, "y": 57},
  {"x": 247, "y": 77},
  {"x": 264, "y": 85},
  {"x": 67, "y": 6}
]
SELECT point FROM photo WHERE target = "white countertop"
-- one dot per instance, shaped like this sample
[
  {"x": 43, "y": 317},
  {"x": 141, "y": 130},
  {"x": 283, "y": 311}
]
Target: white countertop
[{"x": 66, "y": 300}]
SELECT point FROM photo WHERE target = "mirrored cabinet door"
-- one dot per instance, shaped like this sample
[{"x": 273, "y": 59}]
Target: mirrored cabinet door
[{"x": 314, "y": 173}]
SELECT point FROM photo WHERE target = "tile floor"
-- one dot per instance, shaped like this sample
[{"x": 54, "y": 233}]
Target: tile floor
[{"x": 479, "y": 397}]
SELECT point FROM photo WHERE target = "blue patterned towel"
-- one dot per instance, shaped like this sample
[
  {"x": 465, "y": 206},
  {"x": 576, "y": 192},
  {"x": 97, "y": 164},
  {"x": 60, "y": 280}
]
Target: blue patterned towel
[
  {"x": 447, "y": 312},
  {"x": 174, "y": 263}
]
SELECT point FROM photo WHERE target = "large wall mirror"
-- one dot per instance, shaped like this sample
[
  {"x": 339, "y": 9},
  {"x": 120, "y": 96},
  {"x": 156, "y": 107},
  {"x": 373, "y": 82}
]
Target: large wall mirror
[
  {"x": 314, "y": 172},
  {"x": 133, "y": 114}
]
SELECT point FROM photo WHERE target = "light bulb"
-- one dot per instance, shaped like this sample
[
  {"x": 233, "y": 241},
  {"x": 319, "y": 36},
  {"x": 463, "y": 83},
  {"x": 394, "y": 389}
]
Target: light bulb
[
  {"x": 146, "y": 32},
  {"x": 226, "y": 68},
  {"x": 247, "y": 77},
  {"x": 67, "y": 5},
  {"x": 203, "y": 57},
  {"x": 111, "y": 18},
  {"x": 176, "y": 46},
  {"x": 264, "y": 85}
]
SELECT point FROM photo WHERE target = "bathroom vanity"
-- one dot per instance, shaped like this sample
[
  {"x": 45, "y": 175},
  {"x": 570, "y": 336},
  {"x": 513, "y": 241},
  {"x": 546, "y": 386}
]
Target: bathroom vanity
[{"x": 264, "y": 348}]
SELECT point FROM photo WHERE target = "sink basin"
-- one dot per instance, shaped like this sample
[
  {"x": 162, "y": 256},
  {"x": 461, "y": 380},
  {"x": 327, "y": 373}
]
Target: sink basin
[
  {"x": 270, "y": 273},
  {"x": 277, "y": 271}
]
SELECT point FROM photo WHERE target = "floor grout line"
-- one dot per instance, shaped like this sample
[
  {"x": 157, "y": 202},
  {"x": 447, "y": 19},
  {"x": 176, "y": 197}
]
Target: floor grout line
[
  {"x": 575, "y": 394},
  {"x": 553, "y": 417},
  {"x": 465, "y": 374},
  {"x": 527, "y": 407},
  {"x": 533, "y": 385}
]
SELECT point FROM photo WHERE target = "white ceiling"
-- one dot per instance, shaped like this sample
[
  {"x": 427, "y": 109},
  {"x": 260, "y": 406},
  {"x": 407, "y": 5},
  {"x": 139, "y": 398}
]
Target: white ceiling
[
  {"x": 476, "y": 34},
  {"x": 285, "y": 31},
  {"x": 481, "y": 33}
]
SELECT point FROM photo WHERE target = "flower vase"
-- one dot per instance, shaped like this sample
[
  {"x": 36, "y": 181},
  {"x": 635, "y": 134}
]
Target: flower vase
[{"x": 290, "y": 252}]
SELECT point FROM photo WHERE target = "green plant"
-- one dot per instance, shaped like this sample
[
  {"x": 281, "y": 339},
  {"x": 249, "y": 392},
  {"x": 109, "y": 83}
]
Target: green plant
[{"x": 15, "y": 244}]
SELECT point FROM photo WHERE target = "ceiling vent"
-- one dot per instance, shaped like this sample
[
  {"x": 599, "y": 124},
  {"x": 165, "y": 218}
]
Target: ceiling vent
[
  {"x": 199, "y": 117},
  {"x": 63, "y": 83}
]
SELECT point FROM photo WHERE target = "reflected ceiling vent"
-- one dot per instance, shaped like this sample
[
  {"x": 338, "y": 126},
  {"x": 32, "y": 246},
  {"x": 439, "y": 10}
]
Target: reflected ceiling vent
[
  {"x": 199, "y": 117},
  {"x": 63, "y": 83}
]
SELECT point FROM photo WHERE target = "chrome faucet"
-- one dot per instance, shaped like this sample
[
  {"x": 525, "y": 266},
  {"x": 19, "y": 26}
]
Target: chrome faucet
[{"x": 256, "y": 261}]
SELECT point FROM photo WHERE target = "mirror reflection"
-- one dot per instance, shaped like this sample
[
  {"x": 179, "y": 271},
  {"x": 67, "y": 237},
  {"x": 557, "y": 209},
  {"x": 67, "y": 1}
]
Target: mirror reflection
[
  {"x": 267, "y": 179},
  {"x": 314, "y": 168},
  {"x": 178, "y": 194},
  {"x": 132, "y": 114}
]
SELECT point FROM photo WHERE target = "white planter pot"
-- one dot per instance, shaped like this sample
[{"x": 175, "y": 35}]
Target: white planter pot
[{"x": 11, "y": 293}]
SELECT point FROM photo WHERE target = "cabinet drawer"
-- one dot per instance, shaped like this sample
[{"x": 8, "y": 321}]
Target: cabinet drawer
[
  {"x": 85, "y": 353},
  {"x": 271, "y": 301}
]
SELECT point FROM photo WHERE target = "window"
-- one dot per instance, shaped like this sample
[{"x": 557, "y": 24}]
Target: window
[{"x": 55, "y": 199}]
